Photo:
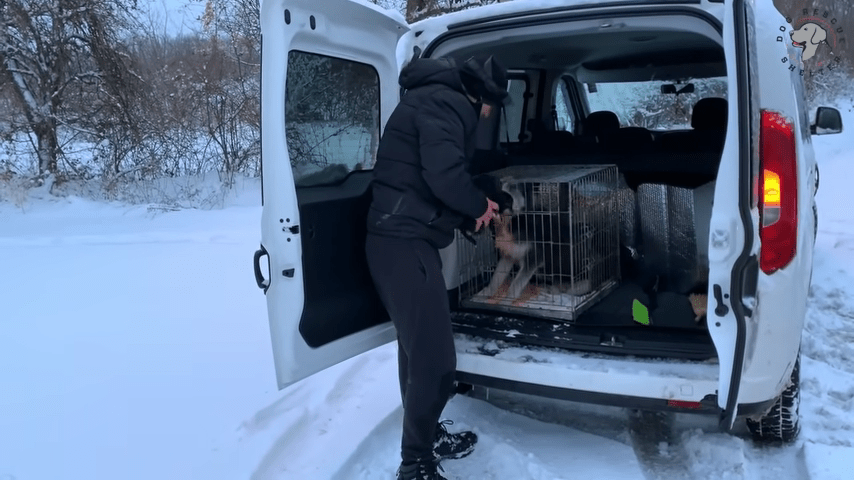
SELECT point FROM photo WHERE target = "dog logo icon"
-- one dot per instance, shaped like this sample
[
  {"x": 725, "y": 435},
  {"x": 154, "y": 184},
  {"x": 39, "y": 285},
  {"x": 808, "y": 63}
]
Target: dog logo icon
[
  {"x": 815, "y": 27},
  {"x": 808, "y": 38}
]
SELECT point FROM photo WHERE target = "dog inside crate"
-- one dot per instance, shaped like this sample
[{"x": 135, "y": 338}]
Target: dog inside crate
[{"x": 555, "y": 247}]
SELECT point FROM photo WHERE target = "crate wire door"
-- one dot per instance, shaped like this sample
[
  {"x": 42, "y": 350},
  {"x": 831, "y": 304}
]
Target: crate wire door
[{"x": 569, "y": 230}]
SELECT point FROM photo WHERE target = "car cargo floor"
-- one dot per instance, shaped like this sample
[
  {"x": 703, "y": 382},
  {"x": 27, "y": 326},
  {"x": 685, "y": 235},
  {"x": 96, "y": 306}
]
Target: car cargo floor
[{"x": 606, "y": 327}]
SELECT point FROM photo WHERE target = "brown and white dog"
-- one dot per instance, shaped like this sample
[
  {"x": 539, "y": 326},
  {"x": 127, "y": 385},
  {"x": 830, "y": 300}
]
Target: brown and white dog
[
  {"x": 535, "y": 243},
  {"x": 514, "y": 251}
]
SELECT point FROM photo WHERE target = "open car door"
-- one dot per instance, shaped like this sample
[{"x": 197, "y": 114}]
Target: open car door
[
  {"x": 329, "y": 83},
  {"x": 733, "y": 243}
]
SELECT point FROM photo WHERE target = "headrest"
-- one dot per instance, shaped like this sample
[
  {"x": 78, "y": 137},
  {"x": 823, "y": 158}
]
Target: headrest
[
  {"x": 535, "y": 125},
  {"x": 635, "y": 135},
  {"x": 709, "y": 114},
  {"x": 485, "y": 78},
  {"x": 601, "y": 122}
]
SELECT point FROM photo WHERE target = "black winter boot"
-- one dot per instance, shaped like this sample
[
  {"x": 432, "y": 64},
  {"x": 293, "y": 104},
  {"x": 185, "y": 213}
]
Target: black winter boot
[
  {"x": 426, "y": 470},
  {"x": 451, "y": 446}
]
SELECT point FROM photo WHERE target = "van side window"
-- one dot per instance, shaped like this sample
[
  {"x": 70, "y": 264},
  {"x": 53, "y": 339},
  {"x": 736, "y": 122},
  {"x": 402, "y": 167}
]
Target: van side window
[
  {"x": 511, "y": 128},
  {"x": 332, "y": 117}
]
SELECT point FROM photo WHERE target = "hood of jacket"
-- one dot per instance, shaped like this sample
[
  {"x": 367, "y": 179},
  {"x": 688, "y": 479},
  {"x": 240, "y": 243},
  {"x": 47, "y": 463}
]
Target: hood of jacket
[{"x": 426, "y": 71}]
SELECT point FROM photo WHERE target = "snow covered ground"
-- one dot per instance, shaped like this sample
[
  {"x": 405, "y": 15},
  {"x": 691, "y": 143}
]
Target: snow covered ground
[{"x": 134, "y": 345}]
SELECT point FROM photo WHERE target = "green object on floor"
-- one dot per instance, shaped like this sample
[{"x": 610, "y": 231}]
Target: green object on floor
[{"x": 640, "y": 313}]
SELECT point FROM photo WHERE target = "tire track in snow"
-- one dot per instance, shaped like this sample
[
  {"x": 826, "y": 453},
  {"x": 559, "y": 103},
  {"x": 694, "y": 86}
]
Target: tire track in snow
[
  {"x": 656, "y": 447},
  {"x": 827, "y": 374},
  {"x": 667, "y": 446},
  {"x": 691, "y": 447},
  {"x": 604, "y": 421},
  {"x": 829, "y": 329},
  {"x": 267, "y": 415},
  {"x": 341, "y": 407},
  {"x": 510, "y": 447},
  {"x": 288, "y": 446}
]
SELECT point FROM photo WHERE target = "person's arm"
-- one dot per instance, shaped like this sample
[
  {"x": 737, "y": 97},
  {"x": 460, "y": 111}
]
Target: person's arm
[{"x": 441, "y": 135}]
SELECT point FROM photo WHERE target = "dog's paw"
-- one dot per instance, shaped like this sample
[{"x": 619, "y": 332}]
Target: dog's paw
[
  {"x": 499, "y": 295},
  {"x": 530, "y": 292},
  {"x": 699, "y": 303}
]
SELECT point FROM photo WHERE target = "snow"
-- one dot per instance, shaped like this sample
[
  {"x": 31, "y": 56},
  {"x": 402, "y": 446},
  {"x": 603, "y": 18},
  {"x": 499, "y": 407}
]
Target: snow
[
  {"x": 827, "y": 462},
  {"x": 390, "y": 8},
  {"x": 510, "y": 446},
  {"x": 135, "y": 345}
]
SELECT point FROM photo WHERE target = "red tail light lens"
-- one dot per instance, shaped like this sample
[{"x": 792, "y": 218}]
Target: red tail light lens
[{"x": 778, "y": 199}]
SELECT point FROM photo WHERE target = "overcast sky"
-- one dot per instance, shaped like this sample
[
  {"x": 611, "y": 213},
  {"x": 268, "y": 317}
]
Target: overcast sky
[{"x": 174, "y": 16}]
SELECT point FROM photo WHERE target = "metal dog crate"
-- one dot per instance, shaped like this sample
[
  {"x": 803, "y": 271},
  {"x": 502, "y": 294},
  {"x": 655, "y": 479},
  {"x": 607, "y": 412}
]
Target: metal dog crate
[{"x": 571, "y": 220}]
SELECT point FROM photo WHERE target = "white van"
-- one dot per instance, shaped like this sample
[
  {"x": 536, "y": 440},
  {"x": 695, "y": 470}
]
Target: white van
[{"x": 330, "y": 81}]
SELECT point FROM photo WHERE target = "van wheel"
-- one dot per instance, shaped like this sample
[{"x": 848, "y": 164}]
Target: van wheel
[{"x": 782, "y": 422}]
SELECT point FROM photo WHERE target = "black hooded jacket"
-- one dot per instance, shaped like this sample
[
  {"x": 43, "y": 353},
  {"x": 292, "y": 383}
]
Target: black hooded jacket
[{"x": 422, "y": 188}]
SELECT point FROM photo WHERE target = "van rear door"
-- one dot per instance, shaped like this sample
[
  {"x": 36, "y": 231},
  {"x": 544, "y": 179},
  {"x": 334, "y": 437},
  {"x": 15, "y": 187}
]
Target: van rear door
[
  {"x": 733, "y": 239},
  {"x": 329, "y": 82}
]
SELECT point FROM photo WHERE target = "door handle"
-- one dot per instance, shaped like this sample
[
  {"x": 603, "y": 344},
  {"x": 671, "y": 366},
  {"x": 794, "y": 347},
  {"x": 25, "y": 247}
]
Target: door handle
[{"x": 263, "y": 283}]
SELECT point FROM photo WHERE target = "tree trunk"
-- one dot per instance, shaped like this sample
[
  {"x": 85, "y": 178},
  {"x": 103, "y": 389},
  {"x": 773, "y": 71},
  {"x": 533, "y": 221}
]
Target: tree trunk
[
  {"x": 47, "y": 146},
  {"x": 419, "y": 9}
]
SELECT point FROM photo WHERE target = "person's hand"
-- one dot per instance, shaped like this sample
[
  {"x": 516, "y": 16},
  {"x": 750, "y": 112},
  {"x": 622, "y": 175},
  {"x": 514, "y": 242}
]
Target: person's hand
[{"x": 491, "y": 214}]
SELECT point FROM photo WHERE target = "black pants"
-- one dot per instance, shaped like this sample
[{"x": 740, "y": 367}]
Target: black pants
[{"x": 408, "y": 277}]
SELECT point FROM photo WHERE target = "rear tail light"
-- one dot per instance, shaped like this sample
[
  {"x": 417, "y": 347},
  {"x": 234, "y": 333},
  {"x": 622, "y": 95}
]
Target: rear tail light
[{"x": 778, "y": 199}]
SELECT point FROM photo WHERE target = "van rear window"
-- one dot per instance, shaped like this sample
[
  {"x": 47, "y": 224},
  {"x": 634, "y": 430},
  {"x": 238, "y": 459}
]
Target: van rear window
[{"x": 643, "y": 104}]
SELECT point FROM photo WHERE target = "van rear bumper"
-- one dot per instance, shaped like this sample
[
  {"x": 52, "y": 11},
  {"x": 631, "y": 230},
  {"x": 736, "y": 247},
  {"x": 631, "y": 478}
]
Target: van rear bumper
[
  {"x": 708, "y": 406},
  {"x": 647, "y": 384}
]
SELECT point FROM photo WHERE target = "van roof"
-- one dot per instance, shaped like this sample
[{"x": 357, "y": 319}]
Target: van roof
[{"x": 509, "y": 9}]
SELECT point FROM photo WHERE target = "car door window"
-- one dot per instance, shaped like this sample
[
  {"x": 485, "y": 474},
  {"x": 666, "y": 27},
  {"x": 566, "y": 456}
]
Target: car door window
[{"x": 332, "y": 118}]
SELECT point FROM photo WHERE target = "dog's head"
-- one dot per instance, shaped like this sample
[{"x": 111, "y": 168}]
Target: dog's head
[
  {"x": 512, "y": 200},
  {"x": 809, "y": 37}
]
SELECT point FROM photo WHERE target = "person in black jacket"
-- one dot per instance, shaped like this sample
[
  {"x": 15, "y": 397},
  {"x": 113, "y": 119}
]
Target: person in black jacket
[{"x": 423, "y": 192}]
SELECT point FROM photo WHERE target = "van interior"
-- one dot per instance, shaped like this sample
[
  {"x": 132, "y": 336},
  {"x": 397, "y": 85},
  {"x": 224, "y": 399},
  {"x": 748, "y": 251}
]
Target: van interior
[{"x": 648, "y": 95}]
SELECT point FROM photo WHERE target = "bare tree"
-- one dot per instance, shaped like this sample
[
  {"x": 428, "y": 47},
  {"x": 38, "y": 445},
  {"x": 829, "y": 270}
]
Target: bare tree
[
  {"x": 51, "y": 50},
  {"x": 421, "y": 9},
  {"x": 233, "y": 104}
]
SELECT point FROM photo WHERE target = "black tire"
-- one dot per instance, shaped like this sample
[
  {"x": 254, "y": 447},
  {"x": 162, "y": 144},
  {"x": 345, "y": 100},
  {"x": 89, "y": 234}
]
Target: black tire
[
  {"x": 817, "y": 178},
  {"x": 782, "y": 422},
  {"x": 815, "y": 214}
]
